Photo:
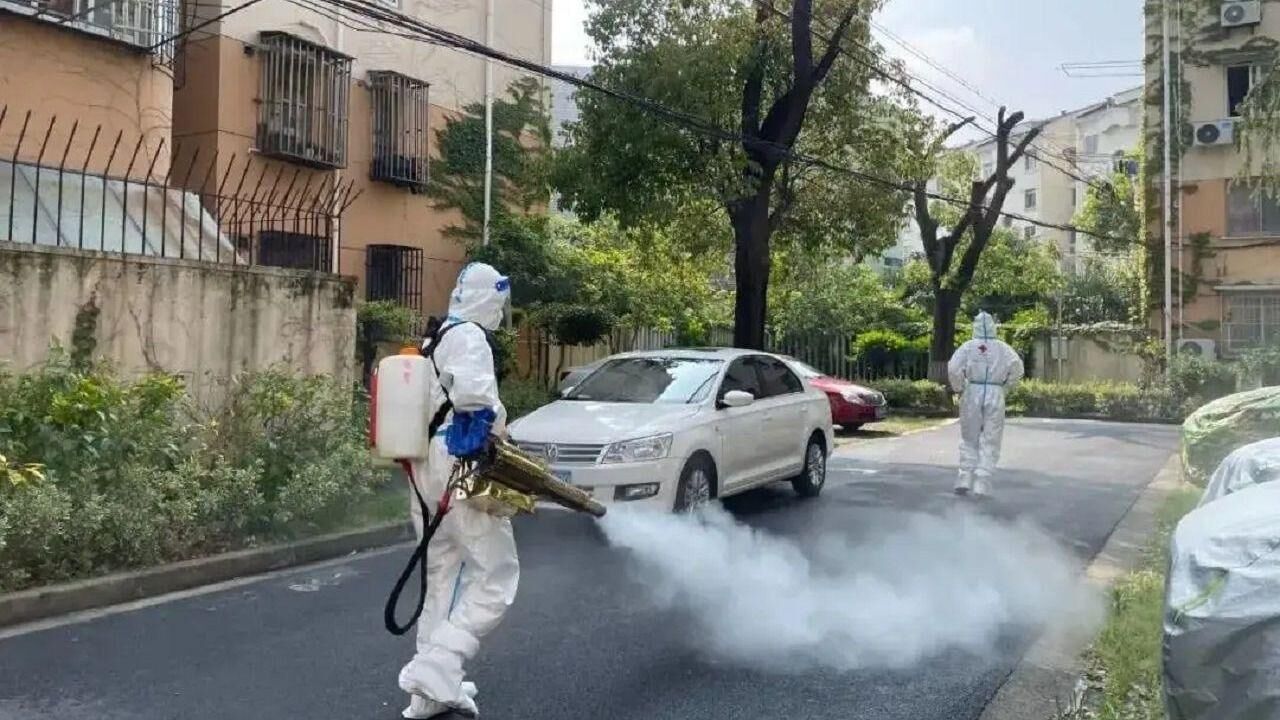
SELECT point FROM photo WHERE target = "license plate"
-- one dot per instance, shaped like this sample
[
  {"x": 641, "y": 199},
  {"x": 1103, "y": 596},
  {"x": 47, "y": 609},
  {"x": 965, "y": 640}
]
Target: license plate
[{"x": 564, "y": 476}]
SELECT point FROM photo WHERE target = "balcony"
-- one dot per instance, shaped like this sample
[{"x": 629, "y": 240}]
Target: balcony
[
  {"x": 400, "y": 130},
  {"x": 305, "y": 100},
  {"x": 141, "y": 24}
]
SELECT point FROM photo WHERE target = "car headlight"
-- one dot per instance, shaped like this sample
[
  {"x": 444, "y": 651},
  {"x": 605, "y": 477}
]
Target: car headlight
[{"x": 639, "y": 450}]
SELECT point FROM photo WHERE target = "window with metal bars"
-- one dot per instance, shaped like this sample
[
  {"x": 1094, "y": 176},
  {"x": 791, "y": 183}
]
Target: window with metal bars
[
  {"x": 305, "y": 97},
  {"x": 394, "y": 272},
  {"x": 400, "y": 124},
  {"x": 141, "y": 23},
  {"x": 293, "y": 250},
  {"x": 1252, "y": 320}
]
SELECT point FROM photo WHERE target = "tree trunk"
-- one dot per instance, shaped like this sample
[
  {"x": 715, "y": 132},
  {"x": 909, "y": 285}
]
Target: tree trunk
[
  {"x": 750, "y": 218},
  {"x": 945, "y": 309}
]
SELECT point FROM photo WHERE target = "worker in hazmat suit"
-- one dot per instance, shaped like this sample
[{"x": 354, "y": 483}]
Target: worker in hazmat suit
[
  {"x": 982, "y": 370},
  {"x": 472, "y": 568}
]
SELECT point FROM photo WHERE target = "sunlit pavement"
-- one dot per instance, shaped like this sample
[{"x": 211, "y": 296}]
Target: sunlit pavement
[{"x": 580, "y": 642}]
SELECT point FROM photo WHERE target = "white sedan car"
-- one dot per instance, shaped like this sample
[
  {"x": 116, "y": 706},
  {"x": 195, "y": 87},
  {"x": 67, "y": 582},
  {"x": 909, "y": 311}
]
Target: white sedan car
[{"x": 676, "y": 428}]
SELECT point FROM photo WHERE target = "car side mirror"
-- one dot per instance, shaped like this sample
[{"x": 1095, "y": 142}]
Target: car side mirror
[{"x": 737, "y": 398}]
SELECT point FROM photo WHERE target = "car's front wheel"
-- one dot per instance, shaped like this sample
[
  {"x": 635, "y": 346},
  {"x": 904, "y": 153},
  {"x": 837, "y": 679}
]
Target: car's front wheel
[
  {"x": 697, "y": 484},
  {"x": 810, "y": 481}
]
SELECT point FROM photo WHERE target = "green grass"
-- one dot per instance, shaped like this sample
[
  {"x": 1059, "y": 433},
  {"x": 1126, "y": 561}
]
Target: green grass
[{"x": 1125, "y": 659}]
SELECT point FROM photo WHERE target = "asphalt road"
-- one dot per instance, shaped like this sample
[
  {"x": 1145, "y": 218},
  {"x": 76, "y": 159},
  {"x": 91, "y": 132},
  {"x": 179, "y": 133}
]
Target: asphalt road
[{"x": 580, "y": 642}]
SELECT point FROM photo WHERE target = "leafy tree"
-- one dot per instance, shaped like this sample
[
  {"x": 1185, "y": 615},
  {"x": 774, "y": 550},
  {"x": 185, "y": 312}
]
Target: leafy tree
[
  {"x": 1015, "y": 275},
  {"x": 521, "y": 160},
  {"x": 1111, "y": 212},
  {"x": 814, "y": 293},
  {"x": 1103, "y": 291},
  {"x": 965, "y": 231},
  {"x": 764, "y": 82}
]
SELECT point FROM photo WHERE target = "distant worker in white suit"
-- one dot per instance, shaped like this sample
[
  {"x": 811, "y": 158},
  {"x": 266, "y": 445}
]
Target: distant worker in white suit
[{"x": 982, "y": 370}]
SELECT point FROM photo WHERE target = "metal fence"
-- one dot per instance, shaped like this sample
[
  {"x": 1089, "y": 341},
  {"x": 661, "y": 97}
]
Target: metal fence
[{"x": 243, "y": 218}]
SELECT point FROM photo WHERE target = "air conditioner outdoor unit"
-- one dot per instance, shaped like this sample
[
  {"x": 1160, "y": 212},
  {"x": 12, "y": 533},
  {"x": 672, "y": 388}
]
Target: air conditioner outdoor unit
[
  {"x": 1241, "y": 12},
  {"x": 1218, "y": 132},
  {"x": 1198, "y": 348}
]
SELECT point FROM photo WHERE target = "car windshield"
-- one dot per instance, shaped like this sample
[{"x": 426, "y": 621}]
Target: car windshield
[
  {"x": 673, "y": 380},
  {"x": 807, "y": 372}
]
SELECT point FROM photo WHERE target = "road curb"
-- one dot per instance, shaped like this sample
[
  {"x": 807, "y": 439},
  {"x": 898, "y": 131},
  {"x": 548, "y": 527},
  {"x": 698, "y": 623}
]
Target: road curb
[
  {"x": 1044, "y": 682},
  {"x": 55, "y": 600}
]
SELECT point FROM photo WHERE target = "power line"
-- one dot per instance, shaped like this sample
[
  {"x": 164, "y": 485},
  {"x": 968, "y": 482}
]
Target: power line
[
  {"x": 1033, "y": 151},
  {"x": 419, "y": 30}
]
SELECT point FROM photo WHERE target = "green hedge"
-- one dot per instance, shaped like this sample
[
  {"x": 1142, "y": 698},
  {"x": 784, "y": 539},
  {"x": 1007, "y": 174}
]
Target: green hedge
[
  {"x": 916, "y": 396},
  {"x": 108, "y": 473},
  {"x": 1101, "y": 400}
]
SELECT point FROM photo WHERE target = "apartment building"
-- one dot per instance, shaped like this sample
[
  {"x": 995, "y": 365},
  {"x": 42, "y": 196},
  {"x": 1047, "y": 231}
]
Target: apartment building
[
  {"x": 73, "y": 63},
  {"x": 305, "y": 94},
  {"x": 1074, "y": 149},
  {"x": 1225, "y": 235}
]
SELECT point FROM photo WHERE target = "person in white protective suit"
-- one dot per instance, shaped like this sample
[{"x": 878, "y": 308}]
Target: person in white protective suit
[
  {"x": 472, "y": 568},
  {"x": 982, "y": 370}
]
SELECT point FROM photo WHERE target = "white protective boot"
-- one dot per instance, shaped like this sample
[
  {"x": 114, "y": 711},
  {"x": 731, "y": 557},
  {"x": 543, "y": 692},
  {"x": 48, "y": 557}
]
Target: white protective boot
[
  {"x": 964, "y": 483},
  {"x": 421, "y": 708},
  {"x": 982, "y": 486}
]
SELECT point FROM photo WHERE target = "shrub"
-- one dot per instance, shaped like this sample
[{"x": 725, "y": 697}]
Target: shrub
[
  {"x": 1105, "y": 400},
  {"x": 522, "y": 397},
  {"x": 1200, "y": 379},
  {"x": 102, "y": 473},
  {"x": 923, "y": 396}
]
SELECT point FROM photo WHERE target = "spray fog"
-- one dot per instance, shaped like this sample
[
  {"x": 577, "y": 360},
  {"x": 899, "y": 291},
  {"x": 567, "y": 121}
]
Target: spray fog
[{"x": 928, "y": 585}]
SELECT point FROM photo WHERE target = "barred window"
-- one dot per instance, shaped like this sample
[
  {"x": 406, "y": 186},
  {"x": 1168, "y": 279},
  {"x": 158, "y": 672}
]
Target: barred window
[
  {"x": 394, "y": 272},
  {"x": 1252, "y": 320},
  {"x": 142, "y": 23},
  {"x": 400, "y": 124},
  {"x": 305, "y": 97},
  {"x": 298, "y": 251}
]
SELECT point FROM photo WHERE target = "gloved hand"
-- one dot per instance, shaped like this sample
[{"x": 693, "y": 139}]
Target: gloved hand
[{"x": 468, "y": 433}]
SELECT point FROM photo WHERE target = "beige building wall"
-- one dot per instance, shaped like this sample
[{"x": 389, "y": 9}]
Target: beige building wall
[
  {"x": 216, "y": 110},
  {"x": 1236, "y": 266},
  {"x": 202, "y": 321},
  {"x": 66, "y": 77}
]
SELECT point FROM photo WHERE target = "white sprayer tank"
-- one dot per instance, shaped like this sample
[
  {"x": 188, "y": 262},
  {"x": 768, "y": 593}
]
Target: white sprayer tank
[{"x": 398, "y": 414}]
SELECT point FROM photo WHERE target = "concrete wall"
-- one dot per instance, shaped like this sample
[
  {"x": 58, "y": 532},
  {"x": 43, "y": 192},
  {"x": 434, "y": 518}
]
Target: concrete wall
[
  {"x": 1085, "y": 359},
  {"x": 201, "y": 320},
  {"x": 81, "y": 78}
]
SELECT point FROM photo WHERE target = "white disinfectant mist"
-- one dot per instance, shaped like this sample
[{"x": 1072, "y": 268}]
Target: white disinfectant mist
[{"x": 925, "y": 585}]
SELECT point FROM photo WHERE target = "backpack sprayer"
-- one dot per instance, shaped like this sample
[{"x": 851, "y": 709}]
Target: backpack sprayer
[{"x": 501, "y": 481}]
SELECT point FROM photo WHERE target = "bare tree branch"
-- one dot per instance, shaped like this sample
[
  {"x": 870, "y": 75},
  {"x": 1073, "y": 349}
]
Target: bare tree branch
[
  {"x": 752, "y": 91},
  {"x": 833, "y": 49}
]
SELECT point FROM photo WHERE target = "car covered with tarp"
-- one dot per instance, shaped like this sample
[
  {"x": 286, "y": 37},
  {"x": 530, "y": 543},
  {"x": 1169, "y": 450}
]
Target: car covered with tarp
[
  {"x": 1221, "y": 636},
  {"x": 1253, "y": 464},
  {"x": 1216, "y": 430}
]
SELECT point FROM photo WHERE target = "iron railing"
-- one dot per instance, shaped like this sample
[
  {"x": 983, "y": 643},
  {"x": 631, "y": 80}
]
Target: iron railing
[
  {"x": 394, "y": 272},
  {"x": 141, "y": 23},
  {"x": 400, "y": 124},
  {"x": 239, "y": 216},
  {"x": 305, "y": 98}
]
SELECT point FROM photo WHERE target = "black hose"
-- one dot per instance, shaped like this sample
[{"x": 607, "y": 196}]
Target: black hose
[{"x": 419, "y": 558}]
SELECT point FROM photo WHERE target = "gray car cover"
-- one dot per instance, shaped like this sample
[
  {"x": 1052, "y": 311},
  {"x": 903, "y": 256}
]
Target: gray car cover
[
  {"x": 1253, "y": 464},
  {"x": 1222, "y": 610}
]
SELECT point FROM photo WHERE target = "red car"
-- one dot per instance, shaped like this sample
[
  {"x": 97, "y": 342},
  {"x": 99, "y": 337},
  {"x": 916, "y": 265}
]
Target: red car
[{"x": 852, "y": 405}]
